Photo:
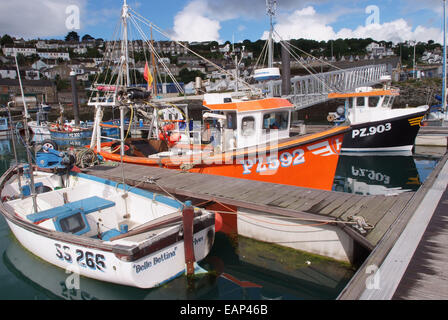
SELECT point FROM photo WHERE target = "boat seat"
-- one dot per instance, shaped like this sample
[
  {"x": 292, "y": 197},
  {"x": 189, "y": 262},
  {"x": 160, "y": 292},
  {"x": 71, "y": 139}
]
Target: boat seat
[
  {"x": 110, "y": 234},
  {"x": 84, "y": 206},
  {"x": 106, "y": 236}
]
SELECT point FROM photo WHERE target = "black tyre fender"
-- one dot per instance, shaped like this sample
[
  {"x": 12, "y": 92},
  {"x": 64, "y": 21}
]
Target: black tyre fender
[{"x": 49, "y": 144}]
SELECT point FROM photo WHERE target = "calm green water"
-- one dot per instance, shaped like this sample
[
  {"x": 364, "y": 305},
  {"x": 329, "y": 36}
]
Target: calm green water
[{"x": 240, "y": 268}]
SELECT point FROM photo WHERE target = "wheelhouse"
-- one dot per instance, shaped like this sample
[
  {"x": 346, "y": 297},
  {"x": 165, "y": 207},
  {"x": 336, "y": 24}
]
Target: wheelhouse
[
  {"x": 245, "y": 123},
  {"x": 364, "y": 101}
]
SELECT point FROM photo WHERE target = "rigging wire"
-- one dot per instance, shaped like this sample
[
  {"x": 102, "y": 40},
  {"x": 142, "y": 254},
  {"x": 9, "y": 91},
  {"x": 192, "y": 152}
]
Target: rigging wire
[{"x": 147, "y": 22}]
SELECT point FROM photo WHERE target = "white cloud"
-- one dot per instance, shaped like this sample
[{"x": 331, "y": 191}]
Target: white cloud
[
  {"x": 307, "y": 23},
  {"x": 193, "y": 24},
  {"x": 37, "y": 18},
  {"x": 395, "y": 31},
  {"x": 304, "y": 23}
]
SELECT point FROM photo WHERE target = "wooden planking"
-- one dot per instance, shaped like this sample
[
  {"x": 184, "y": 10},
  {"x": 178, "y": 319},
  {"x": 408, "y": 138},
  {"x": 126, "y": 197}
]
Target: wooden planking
[
  {"x": 352, "y": 201},
  {"x": 384, "y": 204},
  {"x": 262, "y": 196},
  {"x": 359, "y": 208},
  {"x": 382, "y": 226},
  {"x": 339, "y": 201},
  {"x": 321, "y": 205}
]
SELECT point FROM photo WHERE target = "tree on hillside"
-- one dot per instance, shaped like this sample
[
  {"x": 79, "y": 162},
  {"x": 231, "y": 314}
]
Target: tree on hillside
[
  {"x": 72, "y": 36},
  {"x": 6, "y": 39},
  {"x": 87, "y": 37},
  {"x": 186, "y": 76}
]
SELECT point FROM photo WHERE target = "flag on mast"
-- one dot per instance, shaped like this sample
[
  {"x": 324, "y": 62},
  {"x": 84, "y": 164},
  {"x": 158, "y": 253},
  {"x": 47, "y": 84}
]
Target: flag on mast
[{"x": 147, "y": 75}]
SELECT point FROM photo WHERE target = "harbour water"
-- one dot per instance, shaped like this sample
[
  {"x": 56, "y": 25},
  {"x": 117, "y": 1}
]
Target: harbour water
[{"x": 239, "y": 268}]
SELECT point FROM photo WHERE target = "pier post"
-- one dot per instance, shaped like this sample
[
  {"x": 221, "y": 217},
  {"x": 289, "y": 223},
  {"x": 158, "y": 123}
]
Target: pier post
[
  {"x": 286, "y": 69},
  {"x": 187, "y": 219}
]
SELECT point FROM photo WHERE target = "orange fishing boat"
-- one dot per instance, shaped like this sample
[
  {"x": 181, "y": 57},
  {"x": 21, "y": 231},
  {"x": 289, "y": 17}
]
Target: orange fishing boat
[
  {"x": 242, "y": 138},
  {"x": 241, "y": 134}
]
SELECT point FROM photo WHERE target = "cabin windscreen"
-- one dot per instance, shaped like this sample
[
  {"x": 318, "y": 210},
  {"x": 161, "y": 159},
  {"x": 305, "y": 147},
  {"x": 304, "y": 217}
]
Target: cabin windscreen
[
  {"x": 276, "y": 120},
  {"x": 248, "y": 126}
]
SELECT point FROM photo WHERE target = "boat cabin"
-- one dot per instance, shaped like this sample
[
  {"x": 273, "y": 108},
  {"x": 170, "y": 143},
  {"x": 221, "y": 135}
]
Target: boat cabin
[
  {"x": 244, "y": 123},
  {"x": 363, "y": 101}
]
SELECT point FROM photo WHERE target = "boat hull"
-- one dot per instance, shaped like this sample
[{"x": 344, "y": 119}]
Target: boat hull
[
  {"x": 71, "y": 135},
  {"x": 146, "y": 272},
  {"x": 303, "y": 161},
  {"x": 396, "y": 134}
]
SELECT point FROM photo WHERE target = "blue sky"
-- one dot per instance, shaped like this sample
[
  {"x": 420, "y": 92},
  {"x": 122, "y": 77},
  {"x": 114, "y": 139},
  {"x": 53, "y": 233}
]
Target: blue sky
[{"x": 221, "y": 20}]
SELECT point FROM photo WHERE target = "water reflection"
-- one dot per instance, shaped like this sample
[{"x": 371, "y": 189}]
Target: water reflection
[
  {"x": 373, "y": 174},
  {"x": 251, "y": 271},
  {"x": 256, "y": 271},
  {"x": 56, "y": 283}
]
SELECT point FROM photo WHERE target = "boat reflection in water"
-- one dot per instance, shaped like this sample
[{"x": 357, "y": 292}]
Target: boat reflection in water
[
  {"x": 236, "y": 275},
  {"x": 373, "y": 174}
]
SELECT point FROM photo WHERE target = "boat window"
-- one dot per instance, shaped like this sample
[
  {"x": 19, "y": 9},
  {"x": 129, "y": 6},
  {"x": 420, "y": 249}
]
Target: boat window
[
  {"x": 248, "y": 126},
  {"x": 276, "y": 120},
  {"x": 231, "y": 120},
  {"x": 360, "y": 102},
  {"x": 72, "y": 224},
  {"x": 391, "y": 101},
  {"x": 2, "y": 121},
  {"x": 373, "y": 101},
  {"x": 386, "y": 101}
]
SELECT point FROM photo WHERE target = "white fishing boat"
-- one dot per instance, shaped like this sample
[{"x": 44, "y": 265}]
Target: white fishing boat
[
  {"x": 375, "y": 125},
  {"x": 102, "y": 229}
]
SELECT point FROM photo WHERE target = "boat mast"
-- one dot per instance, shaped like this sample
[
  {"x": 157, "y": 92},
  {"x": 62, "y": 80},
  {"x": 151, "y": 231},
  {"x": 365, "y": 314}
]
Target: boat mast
[
  {"x": 444, "y": 104},
  {"x": 154, "y": 68},
  {"x": 124, "y": 17},
  {"x": 27, "y": 140},
  {"x": 271, "y": 7}
]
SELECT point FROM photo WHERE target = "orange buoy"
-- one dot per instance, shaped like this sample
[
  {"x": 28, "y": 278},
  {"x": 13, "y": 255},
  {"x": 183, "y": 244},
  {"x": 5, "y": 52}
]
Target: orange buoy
[{"x": 218, "y": 222}]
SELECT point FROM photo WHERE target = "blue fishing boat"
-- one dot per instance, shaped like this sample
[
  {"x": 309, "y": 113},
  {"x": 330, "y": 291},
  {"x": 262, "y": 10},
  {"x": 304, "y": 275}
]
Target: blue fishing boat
[{"x": 69, "y": 132}]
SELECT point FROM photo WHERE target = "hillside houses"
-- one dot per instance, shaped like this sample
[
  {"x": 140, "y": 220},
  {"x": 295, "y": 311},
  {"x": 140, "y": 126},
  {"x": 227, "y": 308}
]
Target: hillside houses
[
  {"x": 12, "y": 51},
  {"x": 8, "y": 72},
  {"x": 375, "y": 49}
]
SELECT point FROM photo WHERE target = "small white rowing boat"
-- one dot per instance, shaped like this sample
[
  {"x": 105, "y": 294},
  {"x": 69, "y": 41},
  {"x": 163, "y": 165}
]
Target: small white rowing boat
[{"x": 104, "y": 230}]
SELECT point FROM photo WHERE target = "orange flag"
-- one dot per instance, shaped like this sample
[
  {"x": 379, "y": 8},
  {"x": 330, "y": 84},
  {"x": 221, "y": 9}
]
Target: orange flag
[{"x": 147, "y": 75}]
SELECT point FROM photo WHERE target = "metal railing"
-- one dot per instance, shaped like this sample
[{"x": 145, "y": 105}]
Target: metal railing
[{"x": 313, "y": 89}]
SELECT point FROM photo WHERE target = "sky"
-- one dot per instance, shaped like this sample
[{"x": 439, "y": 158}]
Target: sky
[{"x": 228, "y": 20}]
